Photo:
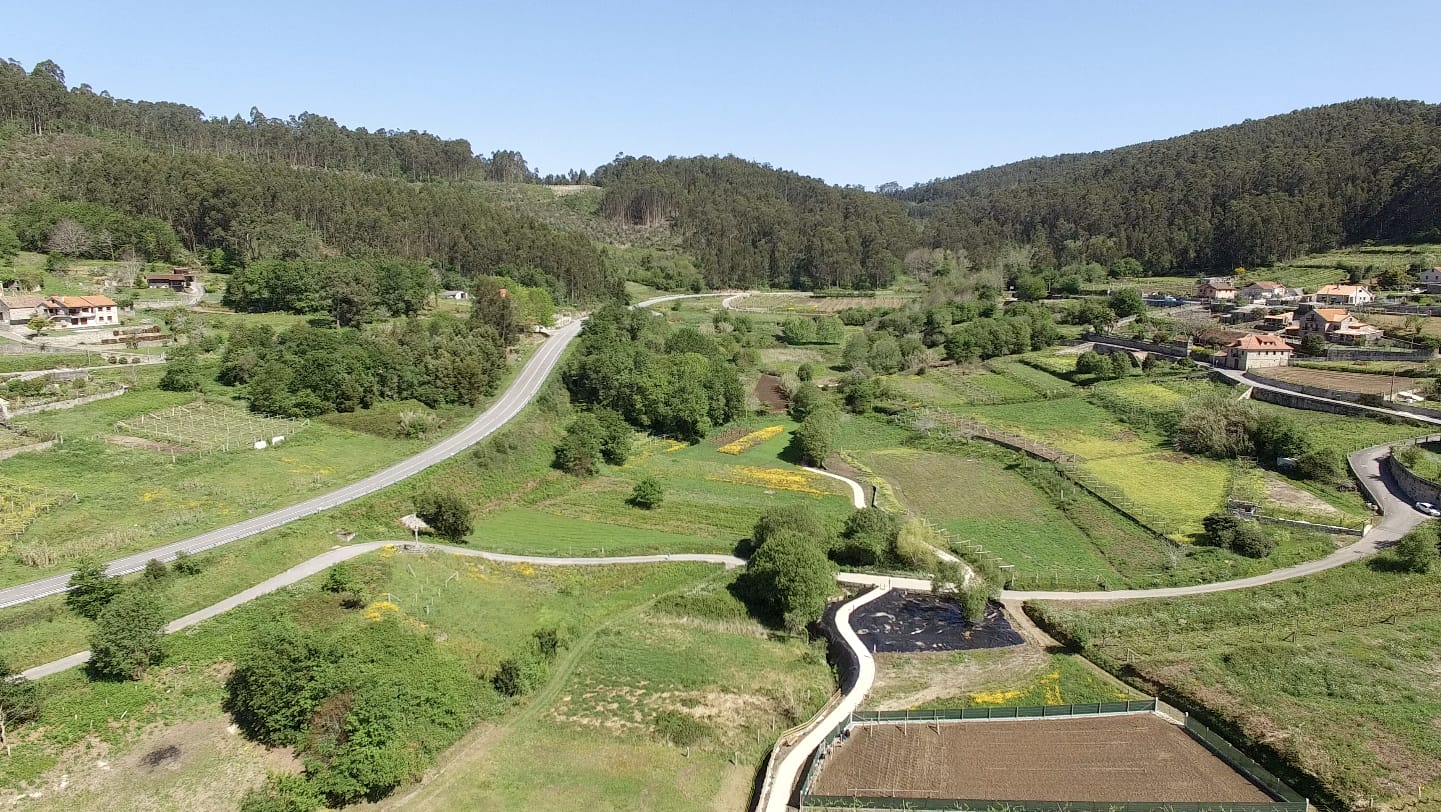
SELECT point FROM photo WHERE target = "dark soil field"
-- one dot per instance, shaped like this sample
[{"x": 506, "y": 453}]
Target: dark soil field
[
  {"x": 1133, "y": 757},
  {"x": 768, "y": 391},
  {"x": 915, "y": 621}
]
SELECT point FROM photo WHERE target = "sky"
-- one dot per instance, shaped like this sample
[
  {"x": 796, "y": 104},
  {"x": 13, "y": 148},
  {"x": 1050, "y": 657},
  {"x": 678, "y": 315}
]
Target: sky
[{"x": 852, "y": 92}]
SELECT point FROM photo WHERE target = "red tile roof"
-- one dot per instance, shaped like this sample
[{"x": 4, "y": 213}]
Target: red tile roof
[{"x": 1262, "y": 343}]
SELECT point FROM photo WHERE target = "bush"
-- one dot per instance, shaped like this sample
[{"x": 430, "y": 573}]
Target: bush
[
  {"x": 1216, "y": 426},
  {"x": 342, "y": 580},
  {"x": 974, "y": 598},
  {"x": 1246, "y": 538},
  {"x": 915, "y": 545},
  {"x": 281, "y": 792},
  {"x": 804, "y": 401},
  {"x": 155, "y": 570},
  {"x": 805, "y": 372},
  {"x": 447, "y": 514},
  {"x": 1417, "y": 550},
  {"x": 647, "y": 494},
  {"x": 868, "y": 538},
  {"x": 19, "y": 703},
  {"x": 680, "y": 729},
  {"x": 128, "y": 638},
  {"x": 520, "y": 674},
  {"x": 186, "y": 564},
  {"x": 91, "y": 589}
]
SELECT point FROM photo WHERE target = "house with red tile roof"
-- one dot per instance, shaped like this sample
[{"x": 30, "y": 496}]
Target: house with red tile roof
[
  {"x": 80, "y": 311},
  {"x": 1258, "y": 352}
]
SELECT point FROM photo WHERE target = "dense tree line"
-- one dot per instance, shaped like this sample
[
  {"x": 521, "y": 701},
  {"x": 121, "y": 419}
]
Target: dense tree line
[
  {"x": 748, "y": 224},
  {"x": 44, "y": 102},
  {"x": 674, "y": 382},
  {"x": 93, "y": 231},
  {"x": 244, "y": 196},
  {"x": 349, "y": 290},
  {"x": 304, "y": 371},
  {"x": 1251, "y": 193}
]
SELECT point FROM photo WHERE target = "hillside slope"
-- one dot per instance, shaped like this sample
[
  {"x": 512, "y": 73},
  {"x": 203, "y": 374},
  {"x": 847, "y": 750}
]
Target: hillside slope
[{"x": 1250, "y": 193}]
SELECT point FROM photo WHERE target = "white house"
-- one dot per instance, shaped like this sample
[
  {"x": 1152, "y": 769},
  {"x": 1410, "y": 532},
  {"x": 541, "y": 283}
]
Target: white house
[
  {"x": 18, "y": 308},
  {"x": 1344, "y": 295},
  {"x": 1258, "y": 352},
  {"x": 79, "y": 311},
  {"x": 1217, "y": 290},
  {"x": 1431, "y": 278},
  {"x": 1261, "y": 291},
  {"x": 455, "y": 295}
]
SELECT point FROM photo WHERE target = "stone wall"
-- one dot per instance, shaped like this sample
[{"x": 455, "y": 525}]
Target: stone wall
[{"x": 1173, "y": 350}]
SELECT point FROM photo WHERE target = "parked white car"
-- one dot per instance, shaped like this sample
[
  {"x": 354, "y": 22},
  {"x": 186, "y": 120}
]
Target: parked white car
[{"x": 1428, "y": 508}]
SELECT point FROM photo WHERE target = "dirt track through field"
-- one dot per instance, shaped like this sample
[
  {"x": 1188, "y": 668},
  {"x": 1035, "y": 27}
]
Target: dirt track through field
[{"x": 1135, "y": 757}]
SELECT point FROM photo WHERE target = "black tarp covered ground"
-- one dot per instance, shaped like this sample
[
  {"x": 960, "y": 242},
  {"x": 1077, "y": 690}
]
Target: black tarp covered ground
[{"x": 918, "y": 621}]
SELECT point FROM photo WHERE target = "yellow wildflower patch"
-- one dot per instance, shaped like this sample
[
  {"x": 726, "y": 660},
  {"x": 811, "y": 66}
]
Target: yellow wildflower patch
[
  {"x": 524, "y": 570},
  {"x": 380, "y": 609},
  {"x": 1052, "y": 683},
  {"x": 996, "y": 697},
  {"x": 672, "y": 446},
  {"x": 387, "y": 551},
  {"x": 781, "y": 479},
  {"x": 755, "y": 438}
]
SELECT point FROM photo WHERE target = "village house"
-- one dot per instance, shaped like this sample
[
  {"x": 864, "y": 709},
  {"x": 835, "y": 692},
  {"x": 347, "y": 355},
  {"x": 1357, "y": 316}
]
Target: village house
[
  {"x": 454, "y": 295},
  {"x": 79, "y": 311},
  {"x": 178, "y": 280},
  {"x": 1335, "y": 324},
  {"x": 1344, "y": 295},
  {"x": 1261, "y": 291},
  {"x": 16, "y": 308},
  {"x": 1258, "y": 352},
  {"x": 1277, "y": 321},
  {"x": 1431, "y": 278},
  {"x": 1217, "y": 290}
]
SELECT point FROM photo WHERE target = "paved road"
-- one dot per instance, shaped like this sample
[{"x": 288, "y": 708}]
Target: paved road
[
  {"x": 781, "y": 780},
  {"x": 1240, "y": 377},
  {"x": 531, "y": 378}
]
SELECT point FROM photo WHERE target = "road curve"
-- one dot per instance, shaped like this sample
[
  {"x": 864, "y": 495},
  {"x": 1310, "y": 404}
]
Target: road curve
[
  {"x": 526, "y": 385},
  {"x": 781, "y": 782}
]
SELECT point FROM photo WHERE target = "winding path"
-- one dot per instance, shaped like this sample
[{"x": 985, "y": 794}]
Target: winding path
[{"x": 532, "y": 376}]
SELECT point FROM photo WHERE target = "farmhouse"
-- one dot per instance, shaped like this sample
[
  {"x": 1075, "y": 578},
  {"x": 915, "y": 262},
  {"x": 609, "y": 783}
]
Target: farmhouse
[
  {"x": 179, "y": 280},
  {"x": 1264, "y": 291},
  {"x": 1431, "y": 278},
  {"x": 1217, "y": 290},
  {"x": 1337, "y": 325},
  {"x": 1344, "y": 295},
  {"x": 1258, "y": 352},
  {"x": 79, "y": 311},
  {"x": 19, "y": 308}
]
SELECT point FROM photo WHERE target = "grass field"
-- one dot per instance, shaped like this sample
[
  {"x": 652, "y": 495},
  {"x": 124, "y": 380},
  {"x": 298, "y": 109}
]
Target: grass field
[
  {"x": 1014, "y": 676},
  {"x": 605, "y": 736},
  {"x": 1332, "y": 676},
  {"x": 478, "y": 611}
]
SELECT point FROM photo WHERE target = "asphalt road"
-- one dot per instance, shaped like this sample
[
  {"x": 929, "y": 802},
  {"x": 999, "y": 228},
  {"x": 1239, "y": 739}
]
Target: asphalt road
[{"x": 525, "y": 386}]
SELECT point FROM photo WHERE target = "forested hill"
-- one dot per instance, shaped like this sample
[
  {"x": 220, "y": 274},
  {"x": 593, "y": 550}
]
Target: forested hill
[
  {"x": 1251, "y": 193},
  {"x": 748, "y": 224},
  {"x": 237, "y": 191}
]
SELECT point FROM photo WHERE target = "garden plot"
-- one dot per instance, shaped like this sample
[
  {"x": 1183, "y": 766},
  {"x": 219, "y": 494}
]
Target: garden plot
[
  {"x": 21, "y": 503},
  {"x": 210, "y": 427}
]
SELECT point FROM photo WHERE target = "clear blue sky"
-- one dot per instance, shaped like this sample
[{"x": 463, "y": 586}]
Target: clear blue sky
[{"x": 854, "y": 92}]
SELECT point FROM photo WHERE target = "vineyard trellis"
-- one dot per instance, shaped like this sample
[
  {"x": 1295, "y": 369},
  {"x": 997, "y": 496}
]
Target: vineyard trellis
[
  {"x": 21, "y": 504},
  {"x": 210, "y": 427}
]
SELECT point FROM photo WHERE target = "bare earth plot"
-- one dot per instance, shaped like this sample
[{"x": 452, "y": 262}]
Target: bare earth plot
[
  {"x": 1357, "y": 382},
  {"x": 1133, "y": 757}
]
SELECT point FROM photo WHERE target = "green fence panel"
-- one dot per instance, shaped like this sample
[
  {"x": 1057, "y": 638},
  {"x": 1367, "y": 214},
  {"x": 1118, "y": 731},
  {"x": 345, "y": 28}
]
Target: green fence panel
[{"x": 847, "y": 802}]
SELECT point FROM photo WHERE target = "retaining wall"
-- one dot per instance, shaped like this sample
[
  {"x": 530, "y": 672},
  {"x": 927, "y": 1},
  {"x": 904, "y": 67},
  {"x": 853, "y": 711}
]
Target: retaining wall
[
  {"x": 25, "y": 449},
  {"x": 1359, "y": 354},
  {"x": 1173, "y": 350},
  {"x": 69, "y": 404},
  {"x": 1416, "y": 488},
  {"x": 1294, "y": 400}
]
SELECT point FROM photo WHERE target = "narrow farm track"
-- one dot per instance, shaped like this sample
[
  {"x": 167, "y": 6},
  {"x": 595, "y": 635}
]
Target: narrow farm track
[{"x": 531, "y": 378}]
